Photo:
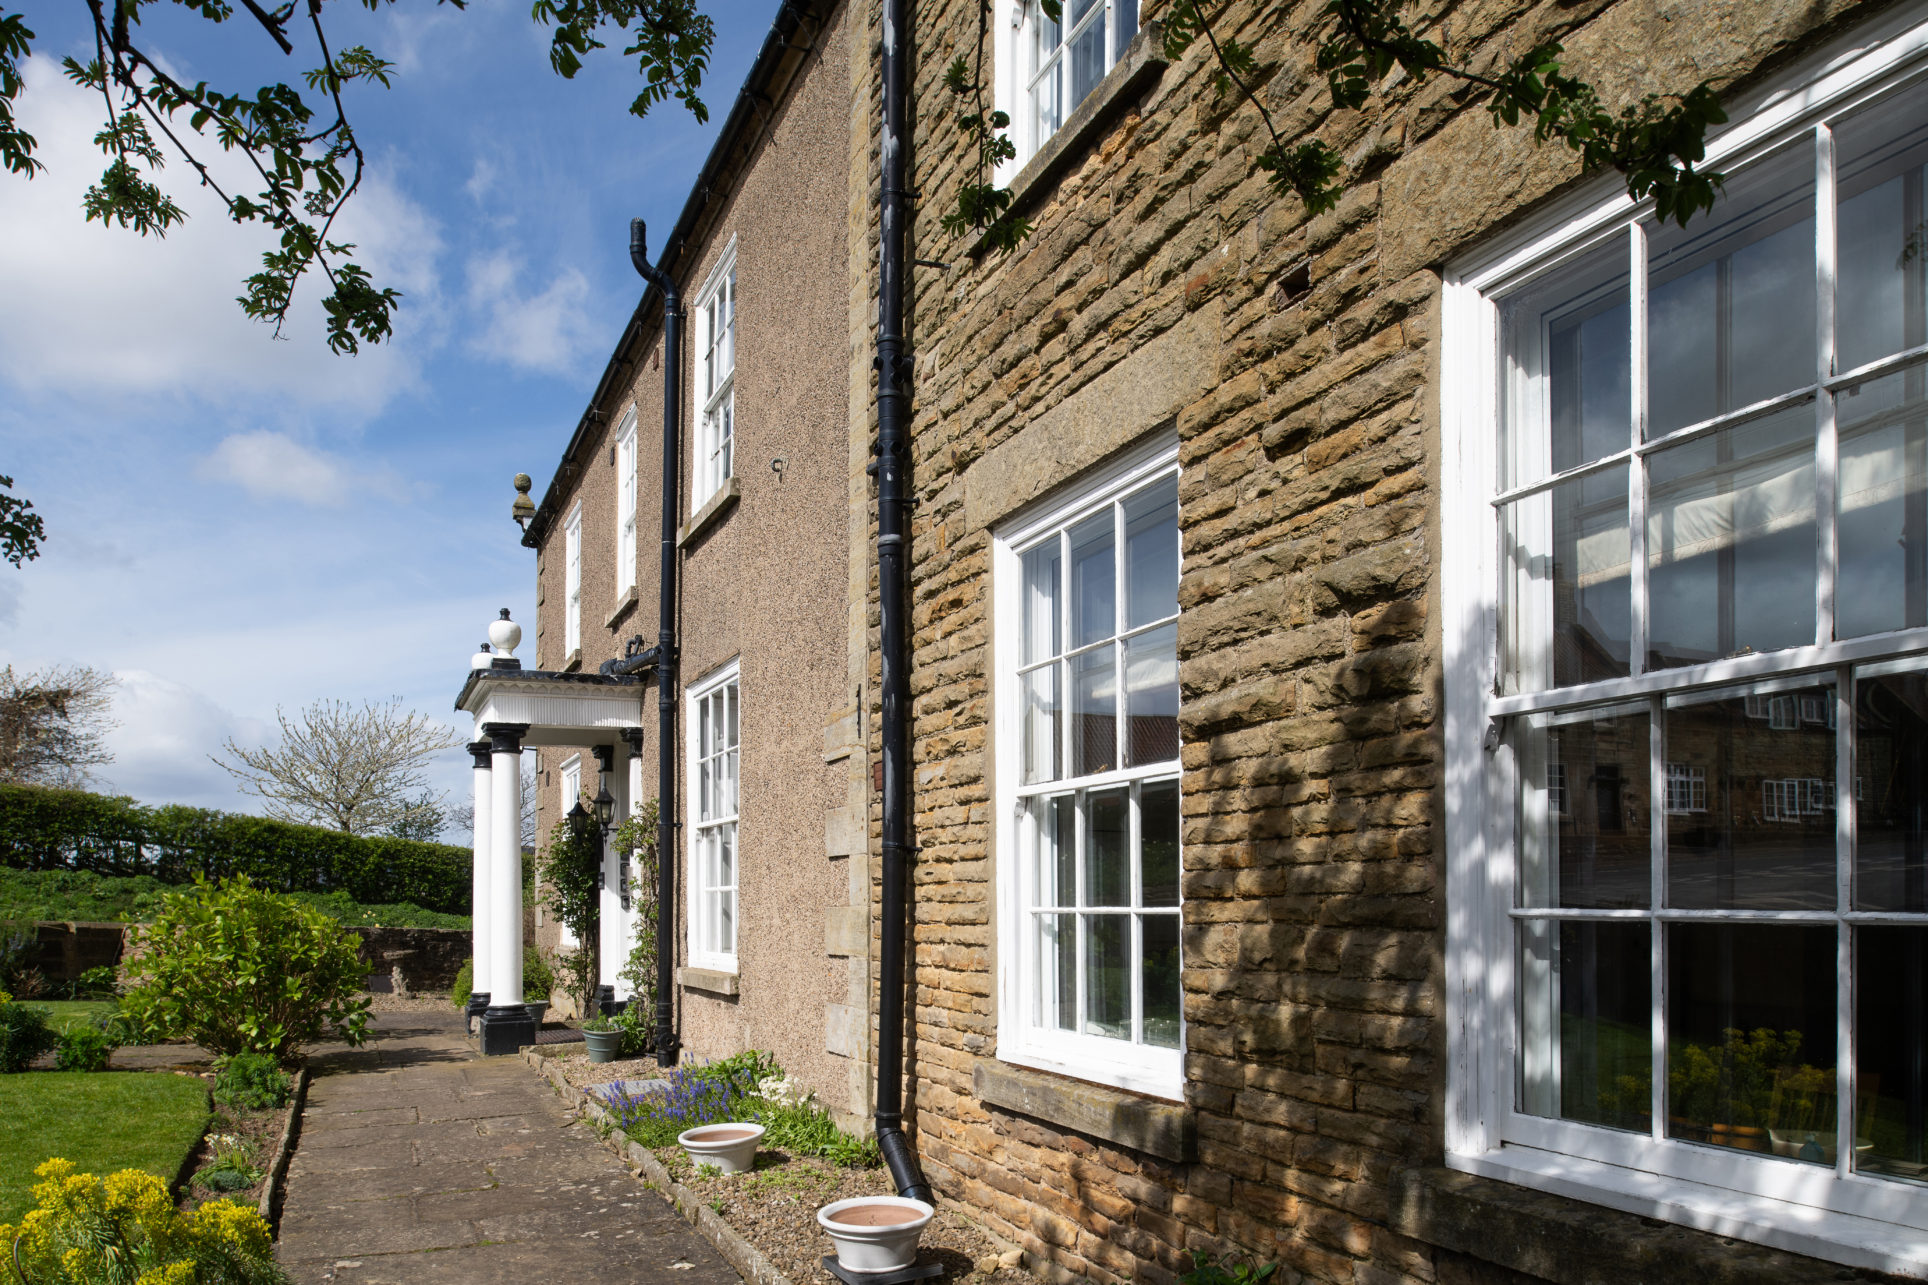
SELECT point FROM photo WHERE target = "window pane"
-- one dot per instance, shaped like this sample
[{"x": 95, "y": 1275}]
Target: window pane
[
  {"x": 1094, "y": 712},
  {"x": 1041, "y": 602},
  {"x": 1730, "y": 299},
  {"x": 1041, "y": 739},
  {"x": 1567, "y": 612},
  {"x": 1882, "y": 583},
  {"x": 1891, "y": 792},
  {"x": 1879, "y": 264},
  {"x": 1107, "y": 976},
  {"x": 1730, "y": 541},
  {"x": 1750, "y": 1019},
  {"x": 1047, "y": 96},
  {"x": 1587, "y": 1039},
  {"x": 1087, "y": 59},
  {"x": 1108, "y": 848},
  {"x": 1151, "y": 554},
  {"x": 1058, "y": 971},
  {"x": 1766, "y": 840},
  {"x": 730, "y": 732},
  {"x": 1161, "y": 980},
  {"x": 705, "y": 793},
  {"x": 1568, "y": 342},
  {"x": 1151, "y": 696},
  {"x": 1158, "y": 843},
  {"x": 1890, "y": 1052},
  {"x": 1124, "y": 22},
  {"x": 1585, "y": 837},
  {"x": 1093, "y": 613},
  {"x": 1057, "y": 851}
]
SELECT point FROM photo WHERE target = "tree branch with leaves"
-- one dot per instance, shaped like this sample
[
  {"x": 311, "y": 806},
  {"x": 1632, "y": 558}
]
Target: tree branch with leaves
[
  {"x": 1656, "y": 145},
  {"x": 303, "y": 156}
]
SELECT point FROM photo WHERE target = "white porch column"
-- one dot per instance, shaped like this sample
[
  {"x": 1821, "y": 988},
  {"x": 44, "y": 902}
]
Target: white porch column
[
  {"x": 506, "y": 1025},
  {"x": 480, "y": 919},
  {"x": 629, "y": 794}
]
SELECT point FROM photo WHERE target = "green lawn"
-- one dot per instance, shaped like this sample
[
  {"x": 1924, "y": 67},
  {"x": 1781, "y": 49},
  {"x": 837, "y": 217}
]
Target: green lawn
[
  {"x": 101, "y": 1121},
  {"x": 73, "y": 1012}
]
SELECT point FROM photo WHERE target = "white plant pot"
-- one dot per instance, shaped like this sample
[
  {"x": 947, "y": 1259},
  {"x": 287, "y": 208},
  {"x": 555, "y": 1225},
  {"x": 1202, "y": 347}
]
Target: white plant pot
[
  {"x": 730, "y": 1147},
  {"x": 875, "y": 1233}
]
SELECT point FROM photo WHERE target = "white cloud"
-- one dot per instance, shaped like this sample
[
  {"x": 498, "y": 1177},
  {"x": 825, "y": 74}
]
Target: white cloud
[
  {"x": 167, "y": 731},
  {"x": 551, "y": 331},
  {"x": 481, "y": 179},
  {"x": 272, "y": 466},
  {"x": 117, "y": 315}
]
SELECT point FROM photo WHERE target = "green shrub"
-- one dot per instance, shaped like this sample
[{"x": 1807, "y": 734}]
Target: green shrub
[
  {"x": 1227, "y": 1270},
  {"x": 86, "y": 1230},
  {"x": 253, "y": 1081},
  {"x": 537, "y": 979},
  {"x": 25, "y": 1034},
  {"x": 84, "y": 1048},
  {"x": 238, "y": 969},
  {"x": 72, "y": 830}
]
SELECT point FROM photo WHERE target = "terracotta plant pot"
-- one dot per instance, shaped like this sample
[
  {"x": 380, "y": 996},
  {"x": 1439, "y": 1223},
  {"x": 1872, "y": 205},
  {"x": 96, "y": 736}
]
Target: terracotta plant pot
[
  {"x": 603, "y": 1045},
  {"x": 875, "y": 1233},
  {"x": 731, "y": 1147}
]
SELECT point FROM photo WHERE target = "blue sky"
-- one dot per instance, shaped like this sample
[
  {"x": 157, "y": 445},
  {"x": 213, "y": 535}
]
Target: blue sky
[{"x": 237, "y": 523}]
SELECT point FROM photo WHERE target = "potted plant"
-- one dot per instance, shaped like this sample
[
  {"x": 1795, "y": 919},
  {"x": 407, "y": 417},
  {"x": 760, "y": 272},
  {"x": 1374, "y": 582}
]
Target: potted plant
[
  {"x": 730, "y": 1146},
  {"x": 875, "y": 1233},
  {"x": 604, "y": 1036}
]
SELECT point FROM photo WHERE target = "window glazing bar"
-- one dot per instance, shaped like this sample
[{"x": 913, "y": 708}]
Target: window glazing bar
[
  {"x": 1827, "y": 451},
  {"x": 1657, "y": 898},
  {"x": 1844, "y": 823},
  {"x": 1876, "y": 369},
  {"x": 1637, "y": 431}
]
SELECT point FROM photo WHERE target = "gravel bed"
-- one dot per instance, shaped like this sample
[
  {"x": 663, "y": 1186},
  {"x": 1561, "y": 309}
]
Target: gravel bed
[
  {"x": 413, "y": 1002},
  {"x": 775, "y": 1207}
]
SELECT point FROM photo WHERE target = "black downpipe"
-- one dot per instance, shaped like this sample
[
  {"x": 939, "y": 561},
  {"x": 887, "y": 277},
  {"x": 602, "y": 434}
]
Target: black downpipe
[
  {"x": 893, "y": 455},
  {"x": 666, "y": 683}
]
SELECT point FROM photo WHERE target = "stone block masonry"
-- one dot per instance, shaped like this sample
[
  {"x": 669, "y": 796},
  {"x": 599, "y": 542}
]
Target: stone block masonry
[{"x": 1166, "y": 286}]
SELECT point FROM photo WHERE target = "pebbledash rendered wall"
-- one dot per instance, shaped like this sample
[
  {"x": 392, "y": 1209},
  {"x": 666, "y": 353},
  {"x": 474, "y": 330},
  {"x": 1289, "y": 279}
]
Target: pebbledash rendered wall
[{"x": 1166, "y": 287}]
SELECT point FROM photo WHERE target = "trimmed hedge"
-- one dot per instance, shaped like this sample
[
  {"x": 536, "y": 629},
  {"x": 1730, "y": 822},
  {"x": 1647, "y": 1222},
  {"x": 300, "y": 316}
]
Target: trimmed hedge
[{"x": 49, "y": 829}]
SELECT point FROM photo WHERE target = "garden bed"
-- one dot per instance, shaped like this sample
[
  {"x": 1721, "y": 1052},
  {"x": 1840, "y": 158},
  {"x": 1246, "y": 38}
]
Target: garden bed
[{"x": 774, "y": 1208}]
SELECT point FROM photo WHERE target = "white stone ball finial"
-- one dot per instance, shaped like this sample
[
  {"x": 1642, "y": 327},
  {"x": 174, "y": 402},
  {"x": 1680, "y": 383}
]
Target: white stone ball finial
[
  {"x": 505, "y": 633},
  {"x": 481, "y": 658}
]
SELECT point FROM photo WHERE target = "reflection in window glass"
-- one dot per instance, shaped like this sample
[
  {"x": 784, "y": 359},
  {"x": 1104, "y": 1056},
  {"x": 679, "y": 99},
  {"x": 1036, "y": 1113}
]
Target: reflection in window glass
[
  {"x": 1880, "y": 266},
  {"x": 1766, "y": 838},
  {"x": 1891, "y": 792},
  {"x": 1594, "y": 851},
  {"x": 1883, "y": 505},
  {"x": 1730, "y": 541},
  {"x": 1569, "y": 557},
  {"x": 1730, "y": 299},
  {"x": 1573, "y": 331}
]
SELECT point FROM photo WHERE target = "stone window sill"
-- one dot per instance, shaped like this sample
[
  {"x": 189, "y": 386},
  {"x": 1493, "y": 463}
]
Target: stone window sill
[
  {"x": 1167, "y": 1130},
  {"x": 712, "y": 511},
  {"x": 1568, "y": 1241},
  {"x": 713, "y": 980},
  {"x": 1142, "y": 63},
  {"x": 572, "y": 662},
  {"x": 623, "y": 605}
]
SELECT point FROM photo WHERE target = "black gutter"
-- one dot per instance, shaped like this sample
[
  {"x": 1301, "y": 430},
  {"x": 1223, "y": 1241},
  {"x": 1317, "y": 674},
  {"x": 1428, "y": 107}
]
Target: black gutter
[
  {"x": 894, "y": 368},
  {"x": 660, "y": 281},
  {"x": 745, "y": 118}
]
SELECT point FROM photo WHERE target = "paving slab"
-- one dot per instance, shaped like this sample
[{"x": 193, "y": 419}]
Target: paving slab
[{"x": 421, "y": 1163}]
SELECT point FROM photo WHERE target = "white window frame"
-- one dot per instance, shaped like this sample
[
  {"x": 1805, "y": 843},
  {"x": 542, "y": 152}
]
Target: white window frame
[
  {"x": 1018, "y": 73},
  {"x": 715, "y": 314},
  {"x": 705, "y": 950},
  {"x": 1141, "y": 1068},
  {"x": 626, "y": 482},
  {"x": 1686, "y": 788},
  {"x": 572, "y": 588},
  {"x": 1831, "y": 1213},
  {"x": 571, "y": 793}
]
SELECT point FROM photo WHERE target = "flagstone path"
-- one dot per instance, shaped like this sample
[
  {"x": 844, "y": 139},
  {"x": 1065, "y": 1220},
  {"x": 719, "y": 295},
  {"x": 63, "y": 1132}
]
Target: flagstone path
[{"x": 420, "y": 1163}]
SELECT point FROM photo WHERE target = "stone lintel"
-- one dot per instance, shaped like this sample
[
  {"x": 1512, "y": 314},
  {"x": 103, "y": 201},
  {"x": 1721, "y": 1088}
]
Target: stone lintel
[
  {"x": 713, "y": 509},
  {"x": 712, "y": 980},
  {"x": 1571, "y": 1242},
  {"x": 1151, "y": 1125}
]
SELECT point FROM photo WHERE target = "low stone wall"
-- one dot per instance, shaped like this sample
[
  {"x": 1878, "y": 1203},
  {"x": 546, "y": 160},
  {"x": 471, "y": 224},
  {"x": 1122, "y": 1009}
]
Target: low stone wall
[
  {"x": 428, "y": 957},
  {"x": 69, "y": 949}
]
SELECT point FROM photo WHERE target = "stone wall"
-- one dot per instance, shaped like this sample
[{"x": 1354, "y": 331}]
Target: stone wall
[
  {"x": 1166, "y": 286},
  {"x": 68, "y": 949},
  {"x": 428, "y": 957}
]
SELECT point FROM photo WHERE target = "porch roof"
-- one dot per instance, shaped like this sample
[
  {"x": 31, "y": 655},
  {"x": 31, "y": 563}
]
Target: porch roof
[{"x": 559, "y": 709}]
